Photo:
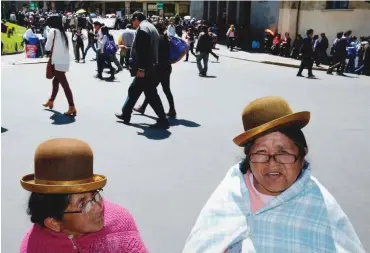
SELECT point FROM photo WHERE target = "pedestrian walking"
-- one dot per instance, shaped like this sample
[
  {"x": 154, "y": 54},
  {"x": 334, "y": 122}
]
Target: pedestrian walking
[
  {"x": 91, "y": 41},
  {"x": 106, "y": 50},
  {"x": 231, "y": 36},
  {"x": 79, "y": 37},
  {"x": 204, "y": 47},
  {"x": 190, "y": 39},
  {"x": 66, "y": 206},
  {"x": 125, "y": 44},
  {"x": 164, "y": 72},
  {"x": 307, "y": 55},
  {"x": 144, "y": 55},
  {"x": 269, "y": 201},
  {"x": 340, "y": 55},
  {"x": 57, "y": 43}
]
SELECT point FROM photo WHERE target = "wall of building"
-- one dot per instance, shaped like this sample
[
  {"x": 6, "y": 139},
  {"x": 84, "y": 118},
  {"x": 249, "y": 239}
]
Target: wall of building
[
  {"x": 196, "y": 9},
  {"x": 332, "y": 21},
  {"x": 314, "y": 15},
  {"x": 264, "y": 14}
]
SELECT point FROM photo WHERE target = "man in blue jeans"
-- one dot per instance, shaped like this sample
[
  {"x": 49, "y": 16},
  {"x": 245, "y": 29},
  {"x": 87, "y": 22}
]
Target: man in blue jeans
[{"x": 204, "y": 47}]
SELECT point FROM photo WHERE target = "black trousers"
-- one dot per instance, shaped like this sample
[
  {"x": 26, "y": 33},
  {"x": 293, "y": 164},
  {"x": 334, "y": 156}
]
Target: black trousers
[
  {"x": 103, "y": 60},
  {"x": 148, "y": 85},
  {"x": 306, "y": 62},
  {"x": 80, "y": 46},
  {"x": 191, "y": 49},
  {"x": 164, "y": 80}
]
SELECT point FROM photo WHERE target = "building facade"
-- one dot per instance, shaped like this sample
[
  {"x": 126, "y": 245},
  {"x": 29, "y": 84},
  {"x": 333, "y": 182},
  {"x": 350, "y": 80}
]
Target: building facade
[
  {"x": 250, "y": 17},
  {"x": 329, "y": 17}
]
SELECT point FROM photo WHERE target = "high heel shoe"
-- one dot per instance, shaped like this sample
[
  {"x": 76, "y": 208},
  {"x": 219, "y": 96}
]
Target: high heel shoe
[
  {"x": 71, "y": 111},
  {"x": 49, "y": 104}
]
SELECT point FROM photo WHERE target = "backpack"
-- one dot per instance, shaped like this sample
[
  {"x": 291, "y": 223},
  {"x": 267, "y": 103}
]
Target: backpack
[{"x": 110, "y": 47}]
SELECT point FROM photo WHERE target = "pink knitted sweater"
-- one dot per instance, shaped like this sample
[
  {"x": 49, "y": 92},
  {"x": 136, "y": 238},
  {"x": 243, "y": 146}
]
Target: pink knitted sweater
[{"x": 119, "y": 234}]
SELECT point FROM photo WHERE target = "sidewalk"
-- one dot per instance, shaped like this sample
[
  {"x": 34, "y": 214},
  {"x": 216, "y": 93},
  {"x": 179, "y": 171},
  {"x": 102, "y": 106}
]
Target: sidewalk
[
  {"x": 19, "y": 59},
  {"x": 261, "y": 58}
]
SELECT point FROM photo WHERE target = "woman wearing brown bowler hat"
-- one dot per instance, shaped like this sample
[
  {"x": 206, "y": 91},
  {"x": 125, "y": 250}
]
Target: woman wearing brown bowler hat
[
  {"x": 269, "y": 202},
  {"x": 67, "y": 208}
]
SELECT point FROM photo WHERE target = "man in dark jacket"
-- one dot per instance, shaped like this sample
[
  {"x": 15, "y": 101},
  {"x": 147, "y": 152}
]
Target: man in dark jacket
[
  {"x": 204, "y": 47},
  {"x": 307, "y": 54},
  {"x": 340, "y": 55},
  {"x": 164, "y": 72},
  {"x": 323, "y": 47},
  {"x": 144, "y": 54}
]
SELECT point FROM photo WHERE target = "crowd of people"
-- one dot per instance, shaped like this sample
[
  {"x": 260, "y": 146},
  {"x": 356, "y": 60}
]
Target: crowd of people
[{"x": 349, "y": 54}]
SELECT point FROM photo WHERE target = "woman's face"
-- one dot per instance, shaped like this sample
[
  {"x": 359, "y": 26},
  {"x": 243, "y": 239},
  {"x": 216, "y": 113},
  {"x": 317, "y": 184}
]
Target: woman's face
[
  {"x": 272, "y": 178},
  {"x": 80, "y": 223}
]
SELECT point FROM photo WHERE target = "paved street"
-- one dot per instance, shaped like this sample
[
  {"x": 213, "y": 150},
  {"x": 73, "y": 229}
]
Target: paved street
[{"x": 165, "y": 177}]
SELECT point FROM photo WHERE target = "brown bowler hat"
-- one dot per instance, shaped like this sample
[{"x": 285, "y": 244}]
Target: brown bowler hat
[
  {"x": 63, "y": 166},
  {"x": 267, "y": 114}
]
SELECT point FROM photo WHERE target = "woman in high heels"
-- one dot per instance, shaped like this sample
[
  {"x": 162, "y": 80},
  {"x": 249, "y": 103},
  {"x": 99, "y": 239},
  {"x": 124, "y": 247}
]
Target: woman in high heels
[{"x": 57, "y": 42}]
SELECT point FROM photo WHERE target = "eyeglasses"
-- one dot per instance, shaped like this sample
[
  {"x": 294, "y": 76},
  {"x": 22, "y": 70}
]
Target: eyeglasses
[
  {"x": 279, "y": 158},
  {"x": 87, "y": 206}
]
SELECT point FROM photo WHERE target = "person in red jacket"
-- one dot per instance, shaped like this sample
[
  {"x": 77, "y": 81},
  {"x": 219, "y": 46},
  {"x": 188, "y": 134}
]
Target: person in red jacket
[{"x": 67, "y": 208}]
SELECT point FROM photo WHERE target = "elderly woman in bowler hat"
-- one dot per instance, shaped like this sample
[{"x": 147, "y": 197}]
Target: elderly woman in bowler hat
[
  {"x": 67, "y": 208},
  {"x": 269, "y": 202}
]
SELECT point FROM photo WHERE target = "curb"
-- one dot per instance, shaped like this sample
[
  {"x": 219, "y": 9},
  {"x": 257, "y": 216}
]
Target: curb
[
  {"x": 27, "y": 63},
  {"x": 273, "y": 63},
  {"x": 19, "y": 52},
  {"x": 290, "y": 65}
]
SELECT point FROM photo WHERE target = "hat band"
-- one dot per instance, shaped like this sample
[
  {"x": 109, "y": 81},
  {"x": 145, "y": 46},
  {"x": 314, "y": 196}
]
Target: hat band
[{"x": 70, "y": 182}]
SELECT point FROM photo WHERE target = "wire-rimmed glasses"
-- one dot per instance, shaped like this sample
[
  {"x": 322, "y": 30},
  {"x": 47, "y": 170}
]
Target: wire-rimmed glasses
[{"x": 87, "y": 206}]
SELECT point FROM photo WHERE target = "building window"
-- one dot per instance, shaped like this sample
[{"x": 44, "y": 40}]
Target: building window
[{"x": 337, "y": 5}]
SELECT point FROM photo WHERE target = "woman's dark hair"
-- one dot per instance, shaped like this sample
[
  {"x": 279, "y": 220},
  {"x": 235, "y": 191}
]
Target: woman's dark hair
[
  {"x": 315, "y": 37},
  {"x": 104, "y": 30},
  {"x": 339, "y": 35},
  {"x": 55, "y": 21},
  {"x": 42, "y": 206},
  {"x": 296, "y": 135}
]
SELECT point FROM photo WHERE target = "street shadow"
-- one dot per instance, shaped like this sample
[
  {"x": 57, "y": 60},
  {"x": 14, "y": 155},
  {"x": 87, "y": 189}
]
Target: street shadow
[
  {"x": 344, "y": 75},
  {"x": 209, "y": 76},
  {"x": 215, "y": 61},
  {"x": 148, "y": 132},
  {"x": 193, "y": 62},
  {"x": 3, "y": 130},
  {"x": 60, "y": 119},
  {"x": 313, "y": 78},
  {"x": 174, "y": 121}
]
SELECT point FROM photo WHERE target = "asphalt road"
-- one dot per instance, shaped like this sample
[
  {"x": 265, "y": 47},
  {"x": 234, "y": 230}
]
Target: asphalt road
[{"x": 165, "y": 177}]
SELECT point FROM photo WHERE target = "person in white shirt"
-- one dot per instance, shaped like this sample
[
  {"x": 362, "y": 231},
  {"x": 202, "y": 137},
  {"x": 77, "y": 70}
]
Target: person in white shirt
[
  {"x": 171, "y": 30},
  {"x": 57, "y": 43},
  {"x": 28, "y": 34}
]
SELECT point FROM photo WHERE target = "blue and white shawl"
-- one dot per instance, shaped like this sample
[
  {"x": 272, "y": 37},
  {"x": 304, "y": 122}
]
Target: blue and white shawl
[{"x": 305, "y": 218}]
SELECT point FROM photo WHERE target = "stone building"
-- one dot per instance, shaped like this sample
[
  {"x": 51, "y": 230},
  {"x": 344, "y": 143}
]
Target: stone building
[
  {"x": 251, "y": 18},
  {"x": 329, "y": 17}
]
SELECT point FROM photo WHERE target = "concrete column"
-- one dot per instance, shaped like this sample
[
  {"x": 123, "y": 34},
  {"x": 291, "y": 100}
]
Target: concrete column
[
  {"x": 145, "y": 8},
  {"x": 45, "y": 5},
  {"x": 177, "y": 8},
  {"x": 218, "y": 11},
  {"x": 103, "y": 9},
  {"x": 237, "y": 12},
  {"x": 127, "y": 8}
]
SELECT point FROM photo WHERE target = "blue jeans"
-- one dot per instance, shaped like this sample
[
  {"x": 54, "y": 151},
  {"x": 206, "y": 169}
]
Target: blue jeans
[{"x": 90, "y": 46}]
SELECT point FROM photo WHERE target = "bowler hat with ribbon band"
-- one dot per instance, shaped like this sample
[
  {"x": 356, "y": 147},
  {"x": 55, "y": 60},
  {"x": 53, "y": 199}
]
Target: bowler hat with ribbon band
[
  {"x": 269, "y": 114},
  {"x": 63, "y": 166}
]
